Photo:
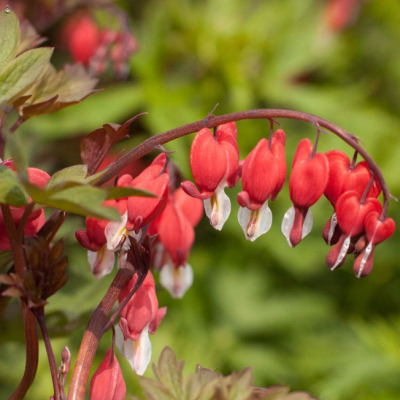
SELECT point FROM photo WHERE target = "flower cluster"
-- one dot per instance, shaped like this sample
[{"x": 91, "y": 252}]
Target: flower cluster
[
  {"x": 95, "y": 47},
  {"x": 38, "y": 178},
  {"x": 357, "y": 225}
]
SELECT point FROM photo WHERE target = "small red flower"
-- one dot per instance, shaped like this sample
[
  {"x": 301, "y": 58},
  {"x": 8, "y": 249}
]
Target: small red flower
[
  {"x": 214, "y": 161},
  {"x": 307, "y": 183},
  {"x": 107, "y": 382},
  {"x": 377, "y": 230},
  {"x": 341, "y": 13},
  {"x": 263, "y": 176}
]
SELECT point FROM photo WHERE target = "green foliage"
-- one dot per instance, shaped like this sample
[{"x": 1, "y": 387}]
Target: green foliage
[
  {"x": 9, "y": 36},
  {"x": 11, "y": 190},
  {"x": 205, "y": 384}
]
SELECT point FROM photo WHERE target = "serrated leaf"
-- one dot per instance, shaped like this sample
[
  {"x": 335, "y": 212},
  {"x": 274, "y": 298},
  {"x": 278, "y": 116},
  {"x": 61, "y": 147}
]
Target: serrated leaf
[
  {"x": 240, "y": 384},
  {"x": 208, "y": 392},
  {"x": 96, "y": 144},
  {"x": 21, "y": 73},
  {"x": 191, "y": 387},
  {"x": 58, "y": 90},
  {"x": 11, "y": 190},
  {"x": 9, "y": 36},
  {"x": 29, "y": 37},
  {"x": 17, "y": 154},
  {"x": 206, "y": 375},
  {"x": 169, "y": 371},
  {"x": 155, "y": 390},
  {"x": 121, "y": 192},
  {"x": 76, "y": 173}
]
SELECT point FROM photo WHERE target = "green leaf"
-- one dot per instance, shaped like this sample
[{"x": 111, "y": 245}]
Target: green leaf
[
  {"x": 11, "y": 191},
  {"x": 58, "y": 90},
  {"x": 22, "y": 72},
  {"x": 169, "y": 371},
  {"x": 120, "y": 192},
  {"x": 76, "y": 173},
  {"x": 76, "y": 199},
  {"x": 17, "y": 154},
  {"x": 155, "y": 390},
  {"x": 9, "y": 36},
  {"x": 29, "y": 37}
]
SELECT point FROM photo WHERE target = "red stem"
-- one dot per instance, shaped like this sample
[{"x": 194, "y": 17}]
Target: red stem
[{"x": 94, "y": 332}]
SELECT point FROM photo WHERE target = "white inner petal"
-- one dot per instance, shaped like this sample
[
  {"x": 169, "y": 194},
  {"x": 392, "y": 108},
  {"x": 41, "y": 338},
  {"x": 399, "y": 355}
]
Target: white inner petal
[
  {"x": 287, "y": 224},
  {"x": 218, "y": 208},
  {"x": 176, "y": 280},
  {"x": 332, "y": 227},
  {"x": 343, "y": 252},
  {"x": 116, "y": 231},
  {"x": 307, "y": 224},
  {"x": 255, "y": 223},
  {"x": 137, "y": 353},
  {"x": 101, "y": 262},
  {"x": 367, "y": 252}
]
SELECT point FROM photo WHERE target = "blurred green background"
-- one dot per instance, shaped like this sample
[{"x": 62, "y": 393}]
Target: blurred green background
[{"x": 261, "y": 304}]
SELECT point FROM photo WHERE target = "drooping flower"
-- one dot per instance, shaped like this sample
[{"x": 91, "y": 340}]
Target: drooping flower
[
  {"x": 307, "y": 183},
  {"x": 140, "y": 316},
  {"x": 175, "y": 229},
  {"x": 339, "y": 14},
  {"x": 377, "y": 230},
  {"x": 263, "y": 176},
  {"x": 344, "y": 176},
  {"x": 214, "y": 161},
  {"x": 101, "y": 256},
  {"x": 107, "y": 382},
  {"x": 351, "y": 210}
]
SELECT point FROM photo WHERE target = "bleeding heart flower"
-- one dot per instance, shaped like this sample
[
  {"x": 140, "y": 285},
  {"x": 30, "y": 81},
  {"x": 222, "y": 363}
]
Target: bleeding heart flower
[
  {"x": 176, "y": 236},
  {"x": 140, "y": 316},
  {"x": 107, "y": 382},
  {"x": 263, "y": 176},
  {"x": 214, "y": 161},
  {"x": 351, "y": 213},
  {"x": 377, "y": 231},
  {"x": 307, "y": 183},
  {"x": 345, "y": 176},
  {"x": 101, "y": 256}
]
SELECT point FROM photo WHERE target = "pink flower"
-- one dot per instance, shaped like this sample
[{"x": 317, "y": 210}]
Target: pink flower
[
  {"x": 214, "y": 161},
  {"x": 307, "y": 183},
  {"x": 107, "y": 382},
  {"x": 140, "y": 316},
  {"x": 175, "y": 228},
  {"x": 263, "y": 176}
]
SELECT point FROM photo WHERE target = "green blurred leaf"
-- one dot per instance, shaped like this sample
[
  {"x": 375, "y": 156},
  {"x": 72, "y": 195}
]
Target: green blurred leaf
[
  {"x": 155, "y": 390},
  {"x": 6, "y": 258},
  {"x": 21, "y": 73},
  {"x": 9, "y": 36},
  {"x": 75, "y": 198},
  {"x": 11, "y": 191},
  {"x": 17, "y": 154},
  {"x": 120, "y": 192},
  {"x": 76, "y": 173}
]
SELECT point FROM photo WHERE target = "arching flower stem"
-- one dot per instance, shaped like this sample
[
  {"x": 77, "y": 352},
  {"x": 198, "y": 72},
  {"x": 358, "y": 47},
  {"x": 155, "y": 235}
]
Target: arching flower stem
[{"x": 212, "y": 121}]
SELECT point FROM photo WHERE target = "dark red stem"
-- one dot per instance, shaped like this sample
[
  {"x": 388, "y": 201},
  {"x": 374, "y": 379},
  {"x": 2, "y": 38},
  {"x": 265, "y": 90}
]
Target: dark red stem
[{"x": 39, "y": 314}]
